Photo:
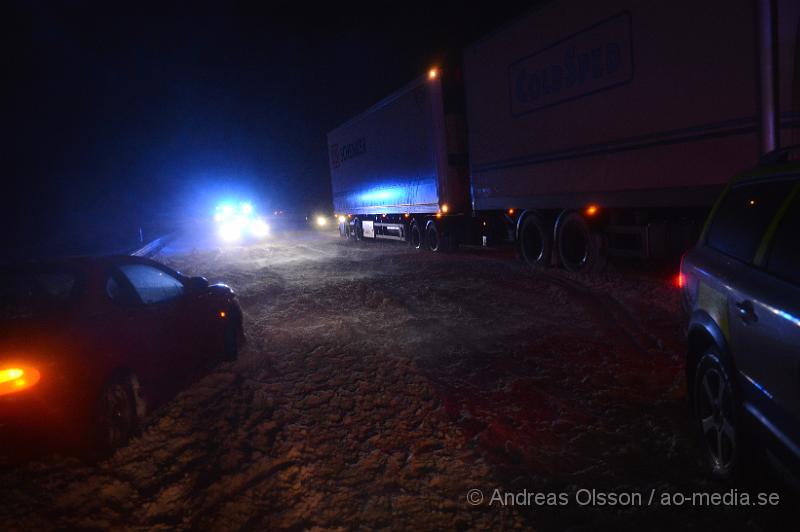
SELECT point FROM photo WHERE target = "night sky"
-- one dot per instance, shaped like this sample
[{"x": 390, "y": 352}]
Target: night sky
[{"x": 142, "y": 116}]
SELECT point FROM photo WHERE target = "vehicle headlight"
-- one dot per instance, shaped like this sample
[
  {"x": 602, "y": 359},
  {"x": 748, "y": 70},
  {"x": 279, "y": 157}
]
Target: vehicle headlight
[
  {"x": 259, "y": 228},
  {"x": 230, "y": 231},
  {"x": 321, "y": 221}
]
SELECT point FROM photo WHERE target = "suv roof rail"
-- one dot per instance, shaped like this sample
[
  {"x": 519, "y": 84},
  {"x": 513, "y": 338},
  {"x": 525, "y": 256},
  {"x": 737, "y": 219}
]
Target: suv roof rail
[{"x": 780, "y": 155}]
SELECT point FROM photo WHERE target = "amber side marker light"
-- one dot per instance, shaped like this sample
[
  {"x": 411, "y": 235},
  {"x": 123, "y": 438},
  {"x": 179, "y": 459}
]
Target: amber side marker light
[
  {"x": 433, "y": 73},
  {"x": 17, "y": 378},
  {"x": 591, "y": 210},
  {"x": 222, "y": 314}
]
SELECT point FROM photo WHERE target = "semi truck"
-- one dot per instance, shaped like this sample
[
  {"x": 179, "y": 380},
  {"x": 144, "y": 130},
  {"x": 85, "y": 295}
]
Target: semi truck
[{"x": 581, "y": 131}]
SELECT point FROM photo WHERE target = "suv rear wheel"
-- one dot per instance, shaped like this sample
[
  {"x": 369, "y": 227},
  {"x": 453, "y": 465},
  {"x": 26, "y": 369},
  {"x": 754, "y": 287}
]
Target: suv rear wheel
[{"x": 716, "y": 416}]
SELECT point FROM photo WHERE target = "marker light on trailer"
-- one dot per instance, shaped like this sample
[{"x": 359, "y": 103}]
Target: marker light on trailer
[
  {"x": 591, "y": 210},
  {"x": 433, "y": 73},
  {"x": 445, "y": 207},
  {"x": 17, "y": 378}
]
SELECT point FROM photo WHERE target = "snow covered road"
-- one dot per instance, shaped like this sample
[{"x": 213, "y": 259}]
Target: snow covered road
[{"x": 380, "y": 384}]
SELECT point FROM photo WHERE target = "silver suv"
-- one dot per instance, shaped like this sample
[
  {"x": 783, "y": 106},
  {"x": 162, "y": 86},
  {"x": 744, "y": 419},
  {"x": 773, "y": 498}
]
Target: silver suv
[{"x": 741, "y": 288}]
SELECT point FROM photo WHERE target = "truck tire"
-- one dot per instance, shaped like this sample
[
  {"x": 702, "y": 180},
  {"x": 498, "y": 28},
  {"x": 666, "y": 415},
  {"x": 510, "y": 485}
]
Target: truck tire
[
  {"x": 433, "y": 240},
  {"x": 415, "y": 236},
  {"x": 580, "y": 249},
  {"x": 535, "y": 242}
]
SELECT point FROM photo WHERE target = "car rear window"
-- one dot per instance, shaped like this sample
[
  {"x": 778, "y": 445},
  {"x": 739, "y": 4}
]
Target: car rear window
[
  {"x": 743, "y": 217},
  {"x": 784, "y": 255},
  {"x": 28, "y": 294}
]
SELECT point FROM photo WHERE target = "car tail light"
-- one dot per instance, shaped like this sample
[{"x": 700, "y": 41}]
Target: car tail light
[
  {"x": 686, "y": 282},
  {"x": 16, "y": 378}
]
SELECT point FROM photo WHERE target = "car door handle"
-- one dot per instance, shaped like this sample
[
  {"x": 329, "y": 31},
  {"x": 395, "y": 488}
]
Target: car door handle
[{"x": 746, "y": 312}]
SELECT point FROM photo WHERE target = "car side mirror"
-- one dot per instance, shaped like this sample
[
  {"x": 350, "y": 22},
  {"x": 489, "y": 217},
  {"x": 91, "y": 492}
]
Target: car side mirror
[{"x": 197, "y": 284}]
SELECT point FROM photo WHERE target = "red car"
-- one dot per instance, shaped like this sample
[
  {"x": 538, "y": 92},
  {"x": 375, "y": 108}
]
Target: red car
[{"x": 88, "y": 346}]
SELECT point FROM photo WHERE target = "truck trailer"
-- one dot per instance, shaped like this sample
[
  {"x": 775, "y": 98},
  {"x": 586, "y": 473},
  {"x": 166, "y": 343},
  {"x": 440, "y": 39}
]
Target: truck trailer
[{"x": 581, "y": 131}]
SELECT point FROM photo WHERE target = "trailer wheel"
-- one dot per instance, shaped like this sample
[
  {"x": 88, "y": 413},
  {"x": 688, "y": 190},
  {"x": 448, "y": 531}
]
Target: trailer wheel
[
  {"x": 579, "y": 248},
  {"x": 432, "y": 239},
  {"x": 415, "y": 236},
  {"x": 358, "y": 231},
  {"x": 535, "y": 242}
]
